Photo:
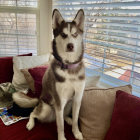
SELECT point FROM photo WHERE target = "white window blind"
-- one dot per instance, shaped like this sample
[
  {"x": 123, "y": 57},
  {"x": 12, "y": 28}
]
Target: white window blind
[
  {"x": 112, "y": 35},
  {"x": 19, "y": 21}
]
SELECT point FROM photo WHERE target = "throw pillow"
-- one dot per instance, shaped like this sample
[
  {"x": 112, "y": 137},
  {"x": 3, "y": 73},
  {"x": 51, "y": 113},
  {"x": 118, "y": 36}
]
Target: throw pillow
[
  {"x": 6, "y": 68},
  {"x": 19, "y": 80},
  {"x": 96, "y": 111},
  {"x": 29, "y": 78},
  {"x": 125, "y": 123},
  {"x": 37, "y": 73}
]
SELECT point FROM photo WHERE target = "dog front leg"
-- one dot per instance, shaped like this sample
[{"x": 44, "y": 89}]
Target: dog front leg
[
  {"x": 75, "y": 110},
  {"x": 31, "y": 122},
  {"x": 60, "y": 120}
]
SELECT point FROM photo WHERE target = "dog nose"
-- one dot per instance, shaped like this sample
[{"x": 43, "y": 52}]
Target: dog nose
[{"x": 70, "y": 47}]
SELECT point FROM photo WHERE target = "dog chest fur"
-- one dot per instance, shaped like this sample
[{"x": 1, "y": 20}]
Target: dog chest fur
[{"x": 72, "y": 81}]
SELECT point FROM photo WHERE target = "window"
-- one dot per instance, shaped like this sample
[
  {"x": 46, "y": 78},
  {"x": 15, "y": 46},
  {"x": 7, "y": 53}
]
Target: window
[
  {"x": 19, "y": 24},
  {"x": 112, "y": 36}
]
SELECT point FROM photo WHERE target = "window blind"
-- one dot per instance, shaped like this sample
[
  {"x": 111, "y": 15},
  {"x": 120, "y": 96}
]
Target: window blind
[
  {"x": 19, "y": 21},
  {"x": 112, "y": 35}
]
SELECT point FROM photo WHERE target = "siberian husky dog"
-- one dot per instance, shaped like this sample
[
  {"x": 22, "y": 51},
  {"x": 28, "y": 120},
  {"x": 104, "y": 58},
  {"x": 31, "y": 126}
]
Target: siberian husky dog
[{"x": 64, "y": 81}]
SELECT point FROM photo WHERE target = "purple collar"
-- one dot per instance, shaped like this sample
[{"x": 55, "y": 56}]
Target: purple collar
[{"x": 68, "y": 66}]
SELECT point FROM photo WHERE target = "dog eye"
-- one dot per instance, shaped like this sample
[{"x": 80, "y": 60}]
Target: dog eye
[
  {"x": 64, "y": 35},
  {"x": 75, "y": 34}
]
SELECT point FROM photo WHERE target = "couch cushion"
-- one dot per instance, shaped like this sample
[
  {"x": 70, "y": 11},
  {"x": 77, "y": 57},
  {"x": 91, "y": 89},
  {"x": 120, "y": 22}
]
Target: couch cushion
[
  {"x": 41, "y": 131},
  {"x": 125, "y": 123},
  {"x": 96, "y": 110},
  {"x": 6, "y": 68}
]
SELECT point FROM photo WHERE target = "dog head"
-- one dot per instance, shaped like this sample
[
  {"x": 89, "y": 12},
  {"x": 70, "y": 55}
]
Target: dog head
[{"x": 68, "y": 37}]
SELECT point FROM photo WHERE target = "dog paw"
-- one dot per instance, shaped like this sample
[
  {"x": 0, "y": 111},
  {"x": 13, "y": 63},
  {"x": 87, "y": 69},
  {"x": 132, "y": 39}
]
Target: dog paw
[
  {"x": 61, "y": 138},
  {"x": 78, "y": 135},
  {"x": 68, "y": 120},
  {"x": 30, "y": 125}
]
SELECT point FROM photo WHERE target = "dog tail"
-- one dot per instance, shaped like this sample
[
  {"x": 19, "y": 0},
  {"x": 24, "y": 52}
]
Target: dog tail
[{"x": 24, "y": 101}]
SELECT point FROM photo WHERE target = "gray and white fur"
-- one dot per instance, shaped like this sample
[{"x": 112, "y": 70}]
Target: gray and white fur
[{"x": 64, "y": 81}]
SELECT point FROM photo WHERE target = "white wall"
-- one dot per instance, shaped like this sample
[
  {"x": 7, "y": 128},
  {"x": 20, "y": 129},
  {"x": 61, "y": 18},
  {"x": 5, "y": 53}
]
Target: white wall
[{"x": 45, "y": 27}]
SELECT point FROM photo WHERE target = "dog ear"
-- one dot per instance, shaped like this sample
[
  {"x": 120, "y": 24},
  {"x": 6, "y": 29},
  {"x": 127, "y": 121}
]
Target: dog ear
[
  {"x": 56, "y": 19},
  {"x": 79, "y": 19}
]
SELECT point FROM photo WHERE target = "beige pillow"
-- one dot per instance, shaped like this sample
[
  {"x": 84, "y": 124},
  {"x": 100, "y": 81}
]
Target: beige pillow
[
  {"x": 24, "y": 62},
  {"x": 29, "y": 78},
  {"x": 96, "y": 111}
]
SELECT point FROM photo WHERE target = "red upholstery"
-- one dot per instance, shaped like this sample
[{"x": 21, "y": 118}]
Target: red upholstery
[
  {"x": 125, "y": 123},
  {"x": 41, "y": 131},
  {"x": 37, "y": 73},
  {"x": 6, "y": 68}
]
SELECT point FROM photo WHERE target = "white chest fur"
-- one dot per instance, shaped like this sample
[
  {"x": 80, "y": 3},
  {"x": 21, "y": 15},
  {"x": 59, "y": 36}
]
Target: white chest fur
[{"x": 71, "y": 84}]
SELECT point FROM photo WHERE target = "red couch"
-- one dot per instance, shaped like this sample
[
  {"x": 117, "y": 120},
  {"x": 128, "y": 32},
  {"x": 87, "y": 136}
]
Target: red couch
[{"x": 18, "y": 131}]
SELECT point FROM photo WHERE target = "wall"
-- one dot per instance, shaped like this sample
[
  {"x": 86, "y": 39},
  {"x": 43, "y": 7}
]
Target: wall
[{"x": 45, "y": 26}]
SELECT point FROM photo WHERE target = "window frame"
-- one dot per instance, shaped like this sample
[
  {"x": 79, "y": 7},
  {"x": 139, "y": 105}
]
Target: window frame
[{"x": 25, "y": 10}]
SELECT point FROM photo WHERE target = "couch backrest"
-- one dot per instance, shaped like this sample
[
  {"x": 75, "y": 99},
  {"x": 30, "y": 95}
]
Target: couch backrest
[{"x": 6, "y": 68}]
